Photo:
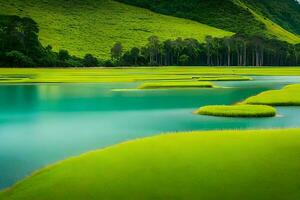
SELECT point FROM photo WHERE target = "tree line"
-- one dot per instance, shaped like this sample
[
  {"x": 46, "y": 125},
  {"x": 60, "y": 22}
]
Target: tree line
[
  {"x": 20, "y": 47},
  {"x": 237, "y": 50}
]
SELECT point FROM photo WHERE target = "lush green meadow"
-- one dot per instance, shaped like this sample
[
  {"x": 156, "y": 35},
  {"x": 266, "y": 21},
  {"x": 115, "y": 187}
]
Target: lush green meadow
[
  {"x": 288, "y": 96},
  {"x": 238, "y": 111},
  {"x": 197, "y": 165},
  {"x": 95, "y": 75},
  {"x": 94, "y": 26}
]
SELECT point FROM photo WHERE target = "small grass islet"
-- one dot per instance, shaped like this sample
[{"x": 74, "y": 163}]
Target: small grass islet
[
  {"x": 288, "y": 96},
  {"x": 176, "y": 84},
  {"x": 224, "y": 78},
  {"x": 191, "y": 165},
  {"x": 246, "y": 111}
]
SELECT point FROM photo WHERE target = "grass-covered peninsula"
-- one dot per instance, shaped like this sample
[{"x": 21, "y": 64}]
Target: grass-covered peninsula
[
  {"x": 288, "y": 96},
  {"x": 196, "y": 165},
  {"x": 238, "y": 111}
]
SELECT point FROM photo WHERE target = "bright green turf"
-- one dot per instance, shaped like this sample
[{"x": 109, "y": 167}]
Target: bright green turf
[
  {"x": 95, "y": 75},
  {"x": 288, "y": 96},
  {"x": 219, "y": 165},
  {"x": 93, "y": 26},
  {"x": 238, "y": 111},
  {"x": 175, "y": 84},
  {"x": 224, "y": 78}
]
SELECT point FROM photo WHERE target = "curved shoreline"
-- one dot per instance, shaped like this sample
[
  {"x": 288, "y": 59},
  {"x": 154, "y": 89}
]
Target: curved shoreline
[{"x": 162, "y": 143}]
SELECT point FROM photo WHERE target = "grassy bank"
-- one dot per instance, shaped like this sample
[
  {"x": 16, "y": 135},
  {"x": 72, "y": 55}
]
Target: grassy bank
[
  {"x": 95, "y": 75},
  {"x": 238, "y": 111},
  {"x": 261, "y": 165},
  {"x": 94, "y": 26},
  {"x": 288, "y": 96},
  {"x": 179, "y": 84}
]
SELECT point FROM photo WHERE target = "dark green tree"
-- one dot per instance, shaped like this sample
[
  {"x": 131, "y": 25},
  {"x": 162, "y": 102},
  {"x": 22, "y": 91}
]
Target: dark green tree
[
  {"x": 116, "y": 52},
  {"x": 90, "y": 61}
]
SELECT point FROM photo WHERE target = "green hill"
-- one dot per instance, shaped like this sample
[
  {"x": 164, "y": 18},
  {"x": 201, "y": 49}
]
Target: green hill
[
  {"x": 233, "y": 15},
  {"x": 93, "y": 26},
  {"x": 284, "y": 12},
  {"x": 272, "y": 29}
]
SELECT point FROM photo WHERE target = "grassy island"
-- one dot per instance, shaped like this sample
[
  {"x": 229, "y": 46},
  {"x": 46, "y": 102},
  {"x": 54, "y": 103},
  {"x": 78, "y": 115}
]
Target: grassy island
[
  {"x": 238, "y": 111},
  {"x": 224, "y": 78},
  {"x": 178, "y": 84},
  {"x": 176, "y": 166},
  {"x": 288, "y": 96}
]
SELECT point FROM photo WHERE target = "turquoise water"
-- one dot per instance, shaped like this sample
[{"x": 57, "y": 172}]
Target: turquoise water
[{"x": 43, "y": 123}]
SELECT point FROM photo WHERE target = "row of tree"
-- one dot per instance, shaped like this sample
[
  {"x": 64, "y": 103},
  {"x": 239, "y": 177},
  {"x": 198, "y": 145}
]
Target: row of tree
[{"x": 237, "y": 50}]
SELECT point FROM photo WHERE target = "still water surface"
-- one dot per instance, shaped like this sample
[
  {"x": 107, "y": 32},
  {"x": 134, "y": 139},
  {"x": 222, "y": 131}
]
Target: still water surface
[{"x": 43, "y": 123}]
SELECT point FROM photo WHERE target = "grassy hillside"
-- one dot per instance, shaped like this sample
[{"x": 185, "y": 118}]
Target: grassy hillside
[
  {"x": 93, "y": 26},
  {"x": 226, "y": 14},
  {"x": 200, "y": 165},
  {"x": 284, "y": 12},
  {"x": 272, "y": 29}
]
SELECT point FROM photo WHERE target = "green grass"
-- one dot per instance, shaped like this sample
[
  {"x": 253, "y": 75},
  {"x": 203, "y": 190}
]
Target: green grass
[
  {"x": 238, "y": 111},
  {"x": 102, "y": 75},
  {"x": 223, "y": 14},
  {"x": 227, "y": 165},
  {"x": 175, "y": 84},
  {"x": 273, "y": 29},
  {"x": 277, "y": 12},
  {"x": 93, "y": 26},
  {"x": 224, "y": 78},
  {"x": 233, "y": 15},
  {"x": 288, "y": 96}
]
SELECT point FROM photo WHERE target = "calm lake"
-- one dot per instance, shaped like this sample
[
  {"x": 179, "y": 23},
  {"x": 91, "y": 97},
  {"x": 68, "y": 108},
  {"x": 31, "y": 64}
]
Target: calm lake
[{"x": 44, "y": 123}]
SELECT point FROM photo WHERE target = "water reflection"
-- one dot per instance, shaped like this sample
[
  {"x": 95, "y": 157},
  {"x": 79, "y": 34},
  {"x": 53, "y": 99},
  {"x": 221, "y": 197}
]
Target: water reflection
[{"x": 18, "y": 96}]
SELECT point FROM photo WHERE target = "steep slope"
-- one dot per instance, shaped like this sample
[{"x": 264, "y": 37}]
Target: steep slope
[
  {"x": 93, "y": 26},
  {"x": 224, "y": 14},
  {"x": 272, "y": 29},
  {"x": 232, "y": 15},
  {"x": 284, "y": 12}
]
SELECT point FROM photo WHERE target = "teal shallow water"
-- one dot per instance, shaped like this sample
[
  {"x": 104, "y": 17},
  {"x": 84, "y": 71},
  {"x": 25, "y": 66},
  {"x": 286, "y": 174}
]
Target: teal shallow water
[{"x": 43, "y": 123}]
